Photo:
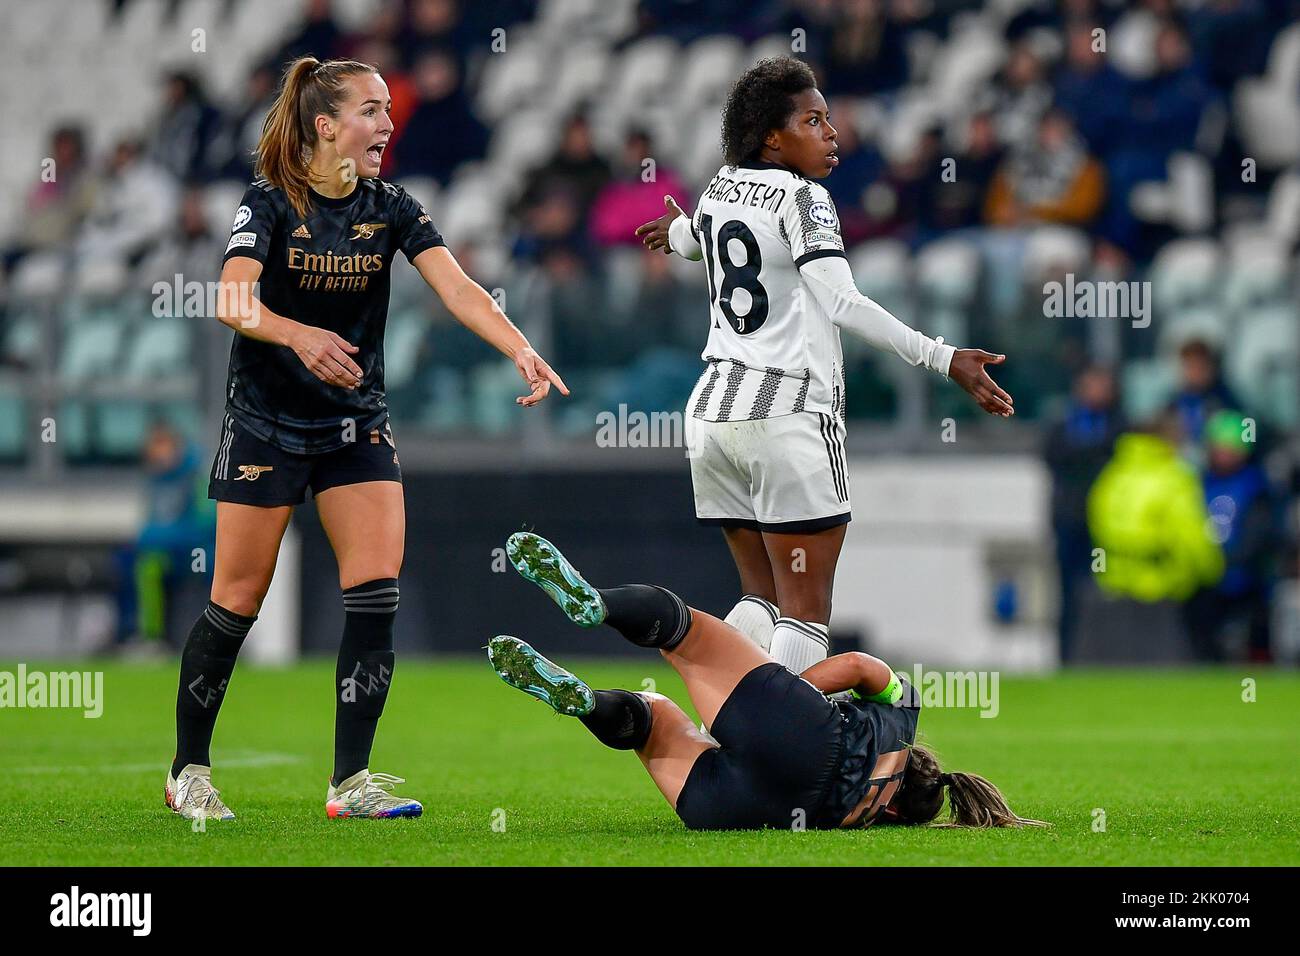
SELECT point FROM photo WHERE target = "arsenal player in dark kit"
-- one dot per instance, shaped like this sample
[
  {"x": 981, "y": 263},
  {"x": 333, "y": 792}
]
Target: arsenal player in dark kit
[{"x": 305, "y": 409}]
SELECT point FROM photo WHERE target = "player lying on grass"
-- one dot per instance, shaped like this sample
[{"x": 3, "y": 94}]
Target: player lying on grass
[{"x": 780, "y": 753}]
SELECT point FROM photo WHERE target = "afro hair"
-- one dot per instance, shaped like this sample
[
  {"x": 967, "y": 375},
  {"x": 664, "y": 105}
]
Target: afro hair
[{"x": 760, "y": 101}]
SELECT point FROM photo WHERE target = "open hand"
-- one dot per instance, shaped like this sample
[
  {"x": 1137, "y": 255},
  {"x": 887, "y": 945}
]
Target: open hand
[
  {"x": 967, "y": 370},
  {"x": 655, "y": 234}
]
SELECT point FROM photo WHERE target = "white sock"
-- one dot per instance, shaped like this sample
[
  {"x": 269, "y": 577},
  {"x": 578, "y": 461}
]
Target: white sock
[
  {"x": 755, "y": 618},
  {"x": 798, "y": 645}
]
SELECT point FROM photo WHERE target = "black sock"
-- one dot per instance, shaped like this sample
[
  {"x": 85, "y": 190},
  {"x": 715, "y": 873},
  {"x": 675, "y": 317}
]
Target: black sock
[
  {"x": 207, "y": 662},
  {"x": 364, "y": 671},
  {"x": 647, "y": 615},
  {"x": 621, "y": 719}
]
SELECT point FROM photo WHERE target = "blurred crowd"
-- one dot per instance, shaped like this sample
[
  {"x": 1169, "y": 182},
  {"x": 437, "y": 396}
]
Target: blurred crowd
[
  {"x": 1085, "y": 103},
  {"x": 1185, "y": 513},
  {"x": 146, "y": 196}
]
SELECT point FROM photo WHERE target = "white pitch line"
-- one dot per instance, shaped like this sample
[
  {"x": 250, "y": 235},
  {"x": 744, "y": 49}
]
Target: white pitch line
[{"x": 246, "y": 760}]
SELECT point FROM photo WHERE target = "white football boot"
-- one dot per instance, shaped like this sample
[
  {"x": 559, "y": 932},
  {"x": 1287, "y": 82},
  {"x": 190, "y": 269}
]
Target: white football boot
[
  {"x": 193, "y": 796},
  {"x": 369, "y": 795}
]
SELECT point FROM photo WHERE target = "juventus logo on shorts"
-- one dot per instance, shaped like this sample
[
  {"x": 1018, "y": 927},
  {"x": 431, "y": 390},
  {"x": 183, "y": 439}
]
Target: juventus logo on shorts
[{"x": 252, "y": 472}]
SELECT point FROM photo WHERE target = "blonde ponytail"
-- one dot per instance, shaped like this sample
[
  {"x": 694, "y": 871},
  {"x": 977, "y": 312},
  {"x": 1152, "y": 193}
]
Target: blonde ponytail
[{"x": 974, "y": 802}]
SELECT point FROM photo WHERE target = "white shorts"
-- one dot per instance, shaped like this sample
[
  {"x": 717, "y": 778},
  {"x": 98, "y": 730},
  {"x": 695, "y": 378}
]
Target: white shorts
[{"x": 785, "y": 474}]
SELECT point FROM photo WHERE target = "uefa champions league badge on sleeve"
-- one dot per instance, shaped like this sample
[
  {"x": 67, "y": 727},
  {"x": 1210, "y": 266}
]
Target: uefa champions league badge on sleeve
[
  {"x": 242, "y": 215},
  {"x": 823, "y": 214}
]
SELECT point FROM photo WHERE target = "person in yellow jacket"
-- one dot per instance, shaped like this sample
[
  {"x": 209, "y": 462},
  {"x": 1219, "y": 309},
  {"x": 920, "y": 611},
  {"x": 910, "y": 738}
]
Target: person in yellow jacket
[{"x": 1147, "y": 513}]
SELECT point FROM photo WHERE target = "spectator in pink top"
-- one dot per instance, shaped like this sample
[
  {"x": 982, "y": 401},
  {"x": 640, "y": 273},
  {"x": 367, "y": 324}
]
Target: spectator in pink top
[{"x": 634, "y": 195}]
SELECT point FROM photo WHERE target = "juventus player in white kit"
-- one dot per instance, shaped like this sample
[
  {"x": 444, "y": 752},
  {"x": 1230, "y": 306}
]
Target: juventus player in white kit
[{"x": 765, "y": 422}]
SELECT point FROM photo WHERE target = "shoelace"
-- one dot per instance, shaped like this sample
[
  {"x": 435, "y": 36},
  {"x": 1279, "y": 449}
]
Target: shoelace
[
  {"x": 384, "y": 781},
  {"x": 199, "y": 789},
  {"x": 376, "y": 790}
]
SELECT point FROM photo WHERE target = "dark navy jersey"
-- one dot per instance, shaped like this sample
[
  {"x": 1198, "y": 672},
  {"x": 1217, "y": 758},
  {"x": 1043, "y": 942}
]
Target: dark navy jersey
[
  {"x": 875, "y": 753},
  {"x": 329, "y": 270}
]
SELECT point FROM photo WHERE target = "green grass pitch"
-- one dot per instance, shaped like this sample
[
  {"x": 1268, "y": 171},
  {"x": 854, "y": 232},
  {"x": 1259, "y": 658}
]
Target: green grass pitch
[{"x": 1184, "y": 771}]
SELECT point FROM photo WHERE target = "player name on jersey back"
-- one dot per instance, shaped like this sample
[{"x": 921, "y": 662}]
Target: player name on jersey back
[{"x": 772, "y": 350}]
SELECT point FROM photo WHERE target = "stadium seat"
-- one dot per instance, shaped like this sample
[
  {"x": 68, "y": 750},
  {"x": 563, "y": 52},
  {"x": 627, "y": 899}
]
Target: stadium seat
[
  {"x": 882, "y": 270},
  {"x": 1184, "y": 200},
  {"x": 1145, "y": 386},
  {"x": 21, "y": 344},
  {"x": 1266, "y": 108},
  {"x": 13, "y": 423},
  {"x": 965, "y": 63},
  {"x": 581, "y": 74},
  {"x": 948, "y": 272},
  {"x": 408, "y": 288},
  {"x": 101, "y": 279},
  {"x": 1206, "y": 323},
  {"x": 91, "y": 346},
  {"x": 446, "y": 409},
  {"x": 1283, "y": 215},
  {"x": 73, "y": 428},
  {"x": 471, "y": 207},
  {"x": 516, "y": 79},
  {"x": 1262, "y": 364},
  {"x": 424, "y": 190},
  {"x": 643, "y": 74},
  {"x": 566, "y": 19},
  {"x": 1131, "y": 44},
  {"x": 493, "y": 388},
  {"x": 1185, "y": 273},
  {"x": 1054, "y": 250},
  {"x": 354, "y": 15},
  {"x": 914, "y": 112},
  {"x": 261, "y": 26},
  {"x": 39, "y": 277},
  {"x": 220, "y": 200},
  {"x": 923, "y": 47},
  {"x": 701, "y": 154},
  {"x": 778, "y": 44},
  {"x": 712, "y": 64},
  {"x": 139, "y": 23},
  {"x": 1258, "y": 272},
  {"x": 402, "y": 341},
  {"x": 189, "y": 15},
  {"x": 159, "y": 350},
  {"x": 26, "y": 28},
  {"x": 120, "y": 430},
  {"x": 522, "y": 142}
]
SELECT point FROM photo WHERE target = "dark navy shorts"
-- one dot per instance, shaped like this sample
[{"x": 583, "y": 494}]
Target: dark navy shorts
[
  {"x": 780, "y": 749},
  {"x": 250, "y": 471}
]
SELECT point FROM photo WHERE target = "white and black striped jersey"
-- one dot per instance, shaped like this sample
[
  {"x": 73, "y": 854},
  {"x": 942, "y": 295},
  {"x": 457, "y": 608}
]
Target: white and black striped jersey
[{"x": 772, "y": 348}]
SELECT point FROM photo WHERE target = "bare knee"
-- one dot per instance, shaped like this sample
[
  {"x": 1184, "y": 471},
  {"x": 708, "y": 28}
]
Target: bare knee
[
  {"x": 351, "y": 577},
  {"x": 665, "y": 715},
  {"x": 243, "y": 596}
]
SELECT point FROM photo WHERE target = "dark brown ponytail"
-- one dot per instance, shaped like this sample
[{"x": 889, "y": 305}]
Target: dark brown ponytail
[
  {"x": 972, "y": 800},
  {"x": 308, "y": 89}
]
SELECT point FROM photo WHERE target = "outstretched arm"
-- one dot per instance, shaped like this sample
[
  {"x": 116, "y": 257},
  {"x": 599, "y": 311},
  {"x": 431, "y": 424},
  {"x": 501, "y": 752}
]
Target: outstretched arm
[
  {"x": 479, "y": 312},
  {"x": 852, "y": 671},
  {"x": 326, "y": 355},
  {"x": 831, "y": 281},
  {"x": 671, "y": 232}
]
